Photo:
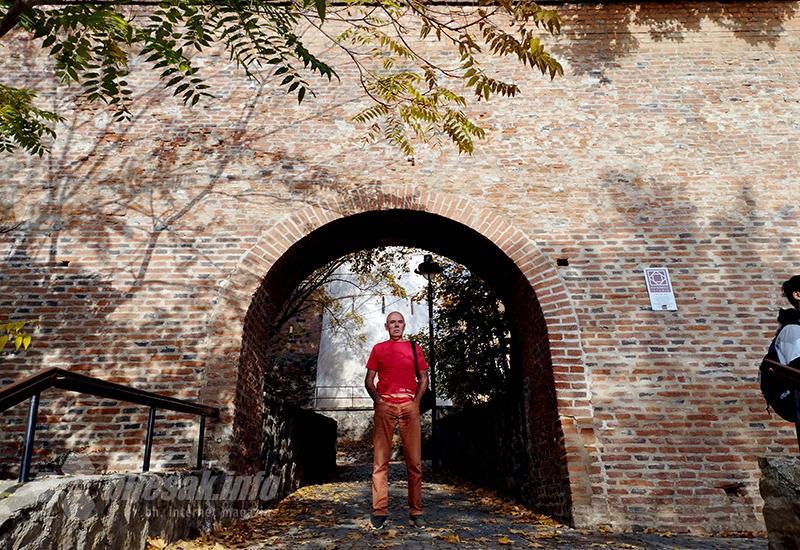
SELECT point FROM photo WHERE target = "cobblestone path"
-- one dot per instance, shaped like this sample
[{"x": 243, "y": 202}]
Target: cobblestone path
[{"x": 336, "y": 516}]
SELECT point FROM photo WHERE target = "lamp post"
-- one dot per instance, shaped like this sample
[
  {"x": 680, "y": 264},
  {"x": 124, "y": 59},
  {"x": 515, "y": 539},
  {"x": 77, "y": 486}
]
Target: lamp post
[{"x": 428, "y": 268}]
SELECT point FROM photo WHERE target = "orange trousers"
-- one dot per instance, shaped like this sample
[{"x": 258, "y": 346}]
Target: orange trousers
[{"x": 387, "y": 417}]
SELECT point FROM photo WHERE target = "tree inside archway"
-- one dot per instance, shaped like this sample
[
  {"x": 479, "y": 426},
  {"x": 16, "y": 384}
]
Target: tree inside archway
[
  {"x": 472, "y": 338},
  {"x": 290, "y": 371},
  {"x": 472, "y": 332}
]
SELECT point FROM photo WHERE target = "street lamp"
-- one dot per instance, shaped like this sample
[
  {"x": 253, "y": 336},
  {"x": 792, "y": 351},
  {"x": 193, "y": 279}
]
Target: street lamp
[{"x": 428, "y": 268}]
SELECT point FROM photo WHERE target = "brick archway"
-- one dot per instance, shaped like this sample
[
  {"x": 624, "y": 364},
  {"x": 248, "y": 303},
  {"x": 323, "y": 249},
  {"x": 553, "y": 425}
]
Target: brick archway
[{"x": 557, "y": 385}]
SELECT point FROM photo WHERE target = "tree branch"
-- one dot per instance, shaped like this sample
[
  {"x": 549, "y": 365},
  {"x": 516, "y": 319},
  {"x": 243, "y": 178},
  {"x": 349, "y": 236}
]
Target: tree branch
[
  {"x": 10, "y": 228},
  {"x": 14, "y": 15},
  {"x": 361, "y": 76},
  {"x": 399, "y": 30}
]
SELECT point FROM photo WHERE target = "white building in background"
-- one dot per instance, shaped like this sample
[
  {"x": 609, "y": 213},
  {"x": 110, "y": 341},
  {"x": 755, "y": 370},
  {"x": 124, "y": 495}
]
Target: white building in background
[{"x": 342, "y": 359}]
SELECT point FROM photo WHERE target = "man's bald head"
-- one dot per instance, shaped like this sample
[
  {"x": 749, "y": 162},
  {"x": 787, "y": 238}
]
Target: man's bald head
[
  {"x": 395, "y": 325},
  {"x": 396, "y": 313}
]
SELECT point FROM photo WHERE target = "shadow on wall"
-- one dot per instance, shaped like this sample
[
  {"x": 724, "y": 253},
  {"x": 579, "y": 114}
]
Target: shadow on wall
[
  {"x": 81, "y": 333},
  {"x": 112, "y": 255},
  {"x": 697, "y": 367},
  {"x": 598, "y": 36}
]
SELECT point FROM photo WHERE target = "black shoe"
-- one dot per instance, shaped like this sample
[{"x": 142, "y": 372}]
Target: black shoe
[
  {"x": 377, "y": 522},
  {"x": 417, "y": 522}
]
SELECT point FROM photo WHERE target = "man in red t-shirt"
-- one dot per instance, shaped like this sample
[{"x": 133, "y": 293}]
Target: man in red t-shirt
[{"x": 396, "y": 401}]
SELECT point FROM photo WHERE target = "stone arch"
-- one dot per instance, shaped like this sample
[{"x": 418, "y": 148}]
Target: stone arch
[{"x": 298, "y": 244}]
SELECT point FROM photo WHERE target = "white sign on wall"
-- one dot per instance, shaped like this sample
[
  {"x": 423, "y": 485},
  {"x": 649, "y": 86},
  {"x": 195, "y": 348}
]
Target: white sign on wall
[{"x": 659, "y": 288}]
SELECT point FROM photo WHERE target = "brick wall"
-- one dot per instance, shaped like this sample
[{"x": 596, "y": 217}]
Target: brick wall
[
  {"x": 144, "y": 249},
  {"x": 291, "y": 366}
]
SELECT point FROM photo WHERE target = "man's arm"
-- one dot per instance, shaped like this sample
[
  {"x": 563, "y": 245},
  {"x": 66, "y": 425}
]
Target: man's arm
[
  {"x": 369, "y": 383},
  {"x": 422, "y": 386}
]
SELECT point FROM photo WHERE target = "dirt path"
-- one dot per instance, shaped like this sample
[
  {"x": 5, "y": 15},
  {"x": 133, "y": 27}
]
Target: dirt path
[{"x": 336, "y": 516}]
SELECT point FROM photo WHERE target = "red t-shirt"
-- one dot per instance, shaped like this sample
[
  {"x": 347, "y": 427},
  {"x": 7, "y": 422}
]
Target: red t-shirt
[{"x": 394, "y": 363}]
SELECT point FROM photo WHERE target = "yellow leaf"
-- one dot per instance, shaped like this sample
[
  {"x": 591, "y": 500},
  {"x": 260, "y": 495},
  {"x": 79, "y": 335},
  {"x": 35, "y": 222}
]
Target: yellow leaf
[
  {"x": 3, "y": 341},
  {"x": 452, "y": 538},
  {"x": 156, "y": 544},
  {"x": 26, "y": 341},
  {"x": 505, "y": 541},
  {"x": 17, "y": 342}
]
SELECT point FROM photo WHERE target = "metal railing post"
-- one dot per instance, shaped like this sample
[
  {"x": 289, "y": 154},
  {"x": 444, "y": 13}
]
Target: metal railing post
[
  {"x": 31, "y": 387},
  {"x": 148, "y": 443},
  {"x": 200, "y": 440},
  {"x": 339, "y": 394},
  {"x": 432, "y": 379},
  {"x": 30, "y": 430}
]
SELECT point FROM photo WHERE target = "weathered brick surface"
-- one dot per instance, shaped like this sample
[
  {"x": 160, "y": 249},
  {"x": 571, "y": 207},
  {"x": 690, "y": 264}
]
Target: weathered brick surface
[{"x": 671, "y": 141}]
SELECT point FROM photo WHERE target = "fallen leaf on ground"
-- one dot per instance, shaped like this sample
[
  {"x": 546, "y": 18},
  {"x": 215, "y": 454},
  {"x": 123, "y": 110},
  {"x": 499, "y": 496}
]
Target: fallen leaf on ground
[{"x": 452, "y": 538}]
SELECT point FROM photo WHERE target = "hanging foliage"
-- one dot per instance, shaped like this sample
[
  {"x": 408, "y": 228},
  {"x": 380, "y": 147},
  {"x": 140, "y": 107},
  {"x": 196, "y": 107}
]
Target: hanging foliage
[{"x": 414, "y": 99}]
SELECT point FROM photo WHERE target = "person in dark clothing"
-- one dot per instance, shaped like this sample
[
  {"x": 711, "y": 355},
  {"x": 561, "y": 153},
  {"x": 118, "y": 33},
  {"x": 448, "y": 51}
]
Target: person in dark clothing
[
  {"x": 787, "y": 340},
  {"x": 784, "y": 349}
]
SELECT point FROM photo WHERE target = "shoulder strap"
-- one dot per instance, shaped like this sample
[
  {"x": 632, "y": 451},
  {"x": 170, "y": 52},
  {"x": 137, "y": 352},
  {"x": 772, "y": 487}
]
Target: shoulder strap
[{"x": 414, "y": 353}]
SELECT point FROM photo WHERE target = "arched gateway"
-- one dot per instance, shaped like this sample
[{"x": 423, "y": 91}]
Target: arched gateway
[{"x": 546, "y": 342}]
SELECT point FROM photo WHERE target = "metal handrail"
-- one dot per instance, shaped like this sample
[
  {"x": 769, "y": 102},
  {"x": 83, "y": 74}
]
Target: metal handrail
[
  {"x": 351, "y": 396},
  {"x": 32, "y": 386}
]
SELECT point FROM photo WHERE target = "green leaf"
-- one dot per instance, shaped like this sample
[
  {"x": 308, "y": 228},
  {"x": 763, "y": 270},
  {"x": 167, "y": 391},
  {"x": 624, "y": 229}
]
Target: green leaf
[
  {"x": 320, "y": 4},
  {"x": 90, "y": 42}
]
